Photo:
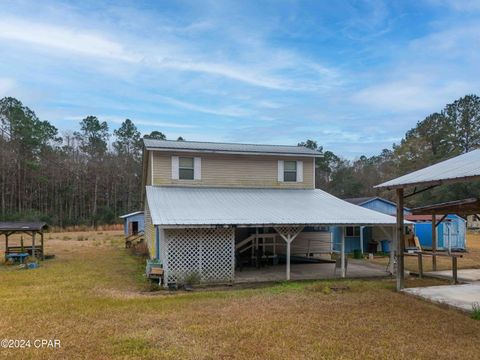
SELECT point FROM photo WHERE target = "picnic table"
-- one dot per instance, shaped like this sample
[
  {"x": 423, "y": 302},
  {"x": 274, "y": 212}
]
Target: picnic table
[{"x": 17, "y": 257}]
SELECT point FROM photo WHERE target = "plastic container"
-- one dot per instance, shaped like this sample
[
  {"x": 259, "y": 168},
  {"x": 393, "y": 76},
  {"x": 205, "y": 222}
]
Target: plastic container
[{"x": 385, "y": 246}]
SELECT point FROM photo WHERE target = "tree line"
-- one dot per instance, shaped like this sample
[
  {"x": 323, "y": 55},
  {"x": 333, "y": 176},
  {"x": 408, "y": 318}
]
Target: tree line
[{"x": 91, "y": 176}]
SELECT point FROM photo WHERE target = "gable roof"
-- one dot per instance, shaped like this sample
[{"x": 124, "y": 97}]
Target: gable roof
[
  {"x": 22, "y": 226},
  {"x": 131, "y": 214},
  {"x": 229, "y": 148},
  {"x": 198, "y": 206},
  {"x": 462, "y": 167}
]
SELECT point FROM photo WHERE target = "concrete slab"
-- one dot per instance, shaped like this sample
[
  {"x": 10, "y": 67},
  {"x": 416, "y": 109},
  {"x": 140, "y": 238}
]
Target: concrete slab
[
  {"x": 464, "y": 275},
  {"x": 313, "y": 271},
  {"x": 459, "y": 296}
]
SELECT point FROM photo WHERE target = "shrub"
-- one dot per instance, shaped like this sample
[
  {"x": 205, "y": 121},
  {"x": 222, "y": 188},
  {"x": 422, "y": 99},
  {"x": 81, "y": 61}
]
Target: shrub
[{"x": 476, "y": 311}]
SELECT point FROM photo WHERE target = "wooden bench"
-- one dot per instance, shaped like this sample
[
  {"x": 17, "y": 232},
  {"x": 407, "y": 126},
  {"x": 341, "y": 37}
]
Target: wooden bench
[{"x": 421, "y": 254}]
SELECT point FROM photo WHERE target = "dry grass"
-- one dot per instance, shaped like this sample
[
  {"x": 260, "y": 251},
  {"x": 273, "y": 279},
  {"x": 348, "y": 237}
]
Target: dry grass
[
  {"x": 92, "y": 298},
  {"x": 470, "y": 260}
]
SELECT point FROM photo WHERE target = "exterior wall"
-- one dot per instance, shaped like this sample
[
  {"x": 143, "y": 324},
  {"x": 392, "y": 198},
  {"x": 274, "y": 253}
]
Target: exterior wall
[
  {"x": 352, "y": 243},
  {"x": 149, "y": 231},
  {"x": 231, "y": 171},
  {"x": 383, "y": 207}
]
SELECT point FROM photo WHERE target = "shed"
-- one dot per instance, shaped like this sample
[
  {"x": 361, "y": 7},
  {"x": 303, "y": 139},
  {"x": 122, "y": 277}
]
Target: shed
[{"x": 133, "y": 223}]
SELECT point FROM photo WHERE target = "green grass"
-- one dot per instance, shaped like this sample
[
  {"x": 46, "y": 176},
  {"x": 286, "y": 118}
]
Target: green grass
[{"x": 94, "y": 298}]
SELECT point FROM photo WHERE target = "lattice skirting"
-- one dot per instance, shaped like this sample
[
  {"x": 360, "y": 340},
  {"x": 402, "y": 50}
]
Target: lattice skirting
[{"x": 205, "y": 255}]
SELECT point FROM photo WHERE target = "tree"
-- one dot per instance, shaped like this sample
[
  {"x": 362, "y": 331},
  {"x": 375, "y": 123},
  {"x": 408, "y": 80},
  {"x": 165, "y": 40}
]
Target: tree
[
  {"x": 128, "y": 141},
  {"x": 156, "y": 135},
  {"x": 464, "y": 115}
]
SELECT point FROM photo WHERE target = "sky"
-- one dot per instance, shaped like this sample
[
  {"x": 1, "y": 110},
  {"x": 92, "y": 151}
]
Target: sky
[{"x": 352, "y": 75}]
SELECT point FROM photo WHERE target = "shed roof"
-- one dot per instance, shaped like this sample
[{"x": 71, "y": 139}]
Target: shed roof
[
  {"x": 230, "y": 148},
  {"x": 182, "y": 206},
  {"x": 131, "y": 214},
  {"x": 462, "y": 167},
  {"x": 22, "y": 226}
]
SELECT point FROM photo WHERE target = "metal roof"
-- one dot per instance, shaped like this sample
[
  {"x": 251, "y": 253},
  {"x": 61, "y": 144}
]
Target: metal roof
[
  {"x": 469, "y": 206},
  {"x": 188, "y": 206},
  {"x": 22, "y": 226},
  {"x": 230, "y": 148},
  {"x": 462, "y": 167},
  {"x": 131, "y": 214},
  {"x": 361, "y": 200}
]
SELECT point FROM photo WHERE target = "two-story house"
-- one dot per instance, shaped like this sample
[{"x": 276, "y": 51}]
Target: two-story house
[{"x": 206, "y": 204}]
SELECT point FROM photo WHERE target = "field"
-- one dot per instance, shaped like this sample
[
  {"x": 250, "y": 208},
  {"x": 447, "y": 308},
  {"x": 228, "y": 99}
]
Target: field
[{"x": 93, "y": 298}]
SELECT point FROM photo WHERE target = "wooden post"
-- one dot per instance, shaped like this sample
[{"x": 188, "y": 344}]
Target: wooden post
[
  {"x": 6, "y": 244},
  {"x": 342, "y": 253},
  {"x": 454, "y": 270},
  {"x": 361, "y": 238},
  {"x": 42, "y": 245},
  {"x": 33, "y": 244},
  {"x": 420, "y": 266},
  {"x": 400, "y": 241},
  {"x": 434, "y": 243},
  {"x": 392, "y": 251},
  {"x": 288, "y": 256}
]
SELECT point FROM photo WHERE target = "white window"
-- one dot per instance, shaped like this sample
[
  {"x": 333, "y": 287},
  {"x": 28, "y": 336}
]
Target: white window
[
  {"x": 186, "y": 168},
  {"x": 290, "y": 171}
]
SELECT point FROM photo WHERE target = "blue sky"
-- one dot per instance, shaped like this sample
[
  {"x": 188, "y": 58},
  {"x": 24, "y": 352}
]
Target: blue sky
[{"x": 353, "y": 75}]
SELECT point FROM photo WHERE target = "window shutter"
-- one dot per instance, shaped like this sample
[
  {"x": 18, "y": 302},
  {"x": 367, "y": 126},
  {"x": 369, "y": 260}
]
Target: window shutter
[
  {"x": 280, "y": 170},
  {"x": 299, "y": 171},
  {"x": 175, "y": 169},
  {"x": 197, "y": 168}
]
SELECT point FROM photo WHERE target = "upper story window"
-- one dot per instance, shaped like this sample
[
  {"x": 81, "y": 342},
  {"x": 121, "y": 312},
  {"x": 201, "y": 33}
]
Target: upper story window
[
  {"x": 289, "y": 171},
  {"x": 186, "y": 170}
]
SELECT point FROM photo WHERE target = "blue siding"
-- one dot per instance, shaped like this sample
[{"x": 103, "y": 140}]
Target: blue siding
[
  {"x": 351, "y": 242},
  {"x": 453, "y": 231},
  {"x": 382, "y": 206}
]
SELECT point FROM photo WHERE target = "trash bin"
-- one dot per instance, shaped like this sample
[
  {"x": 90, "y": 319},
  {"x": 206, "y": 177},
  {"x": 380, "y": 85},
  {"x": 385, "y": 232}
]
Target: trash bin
[{"x": 385, "y": 246}]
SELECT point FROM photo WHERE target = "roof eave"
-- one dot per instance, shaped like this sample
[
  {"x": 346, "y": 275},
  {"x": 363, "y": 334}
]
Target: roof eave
[{"x": 260, "y": 153}]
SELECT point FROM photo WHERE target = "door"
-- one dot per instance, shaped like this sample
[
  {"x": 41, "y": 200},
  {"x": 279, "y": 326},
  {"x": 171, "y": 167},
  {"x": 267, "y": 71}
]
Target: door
[{"x": 134, "y": 227}]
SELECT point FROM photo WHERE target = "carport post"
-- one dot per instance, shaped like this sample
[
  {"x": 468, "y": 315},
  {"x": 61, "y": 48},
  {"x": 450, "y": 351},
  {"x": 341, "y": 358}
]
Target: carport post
[
  {"x": 400, "y": 240},
  {"x": 361, "y": 238},
  {"x": 434, "y": 243},
  {"x": 289, "y": 241},
  {"x": 342, "y": 253}
]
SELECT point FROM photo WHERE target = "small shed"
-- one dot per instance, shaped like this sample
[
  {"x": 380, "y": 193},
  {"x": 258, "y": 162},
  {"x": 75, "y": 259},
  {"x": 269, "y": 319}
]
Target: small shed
[{"x": 133, "y": 223}]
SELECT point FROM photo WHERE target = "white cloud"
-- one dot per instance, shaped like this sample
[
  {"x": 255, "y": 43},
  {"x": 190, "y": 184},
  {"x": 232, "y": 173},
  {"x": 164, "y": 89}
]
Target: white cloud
[
  {"x": 64, "y": 38},
  {"x": 119, "y": 120}
]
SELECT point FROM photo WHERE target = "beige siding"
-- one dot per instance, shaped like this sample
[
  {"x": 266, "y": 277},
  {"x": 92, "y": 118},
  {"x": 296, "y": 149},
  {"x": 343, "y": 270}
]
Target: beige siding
[
  {"x": 231, "y": 171},
  {"x": 149, "y": 231}
]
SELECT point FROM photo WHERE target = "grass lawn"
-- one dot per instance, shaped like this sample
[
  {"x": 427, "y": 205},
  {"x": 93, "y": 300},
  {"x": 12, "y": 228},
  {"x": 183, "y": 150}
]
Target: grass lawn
[
  {"x": 471, "y": 259},
  {"x": 93, "y": 298}
]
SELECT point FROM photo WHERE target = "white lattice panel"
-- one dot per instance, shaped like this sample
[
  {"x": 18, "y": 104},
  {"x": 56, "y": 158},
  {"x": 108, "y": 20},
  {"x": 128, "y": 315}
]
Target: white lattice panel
[{"x": 204, "y": 253}]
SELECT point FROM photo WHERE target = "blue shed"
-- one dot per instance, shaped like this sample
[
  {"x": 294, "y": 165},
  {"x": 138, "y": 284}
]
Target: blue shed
[
  {"x": 133, "y": 223},
  {"x": 451, "y": 232}
]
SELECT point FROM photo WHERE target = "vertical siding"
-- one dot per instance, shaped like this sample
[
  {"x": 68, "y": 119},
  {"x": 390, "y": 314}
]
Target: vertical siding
[
  {"x": 149, "y": 231},
  {"x": 232, "y": 171}
]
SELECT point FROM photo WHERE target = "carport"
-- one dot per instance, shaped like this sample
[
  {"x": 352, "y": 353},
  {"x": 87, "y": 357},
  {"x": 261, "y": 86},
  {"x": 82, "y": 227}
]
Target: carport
[
  {"x": 32, "y": 229},
  {"x": 462, "y": 168}
]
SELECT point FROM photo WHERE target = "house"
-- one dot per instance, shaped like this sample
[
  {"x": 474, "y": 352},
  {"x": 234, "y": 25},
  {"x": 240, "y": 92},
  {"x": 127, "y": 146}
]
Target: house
[
  {"x": 133, "y": 223},
  {"x": 450, "y": 233},
  {"x": 368, "y": 238},
  {"x": 209, "y": 205}
]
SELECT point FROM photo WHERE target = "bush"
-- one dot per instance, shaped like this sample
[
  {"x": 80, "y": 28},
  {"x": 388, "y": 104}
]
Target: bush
[{"x": 476, "y": 311}]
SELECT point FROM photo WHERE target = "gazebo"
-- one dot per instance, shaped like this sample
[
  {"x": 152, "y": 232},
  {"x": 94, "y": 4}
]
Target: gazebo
[{"x": 32, "y": 229}]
